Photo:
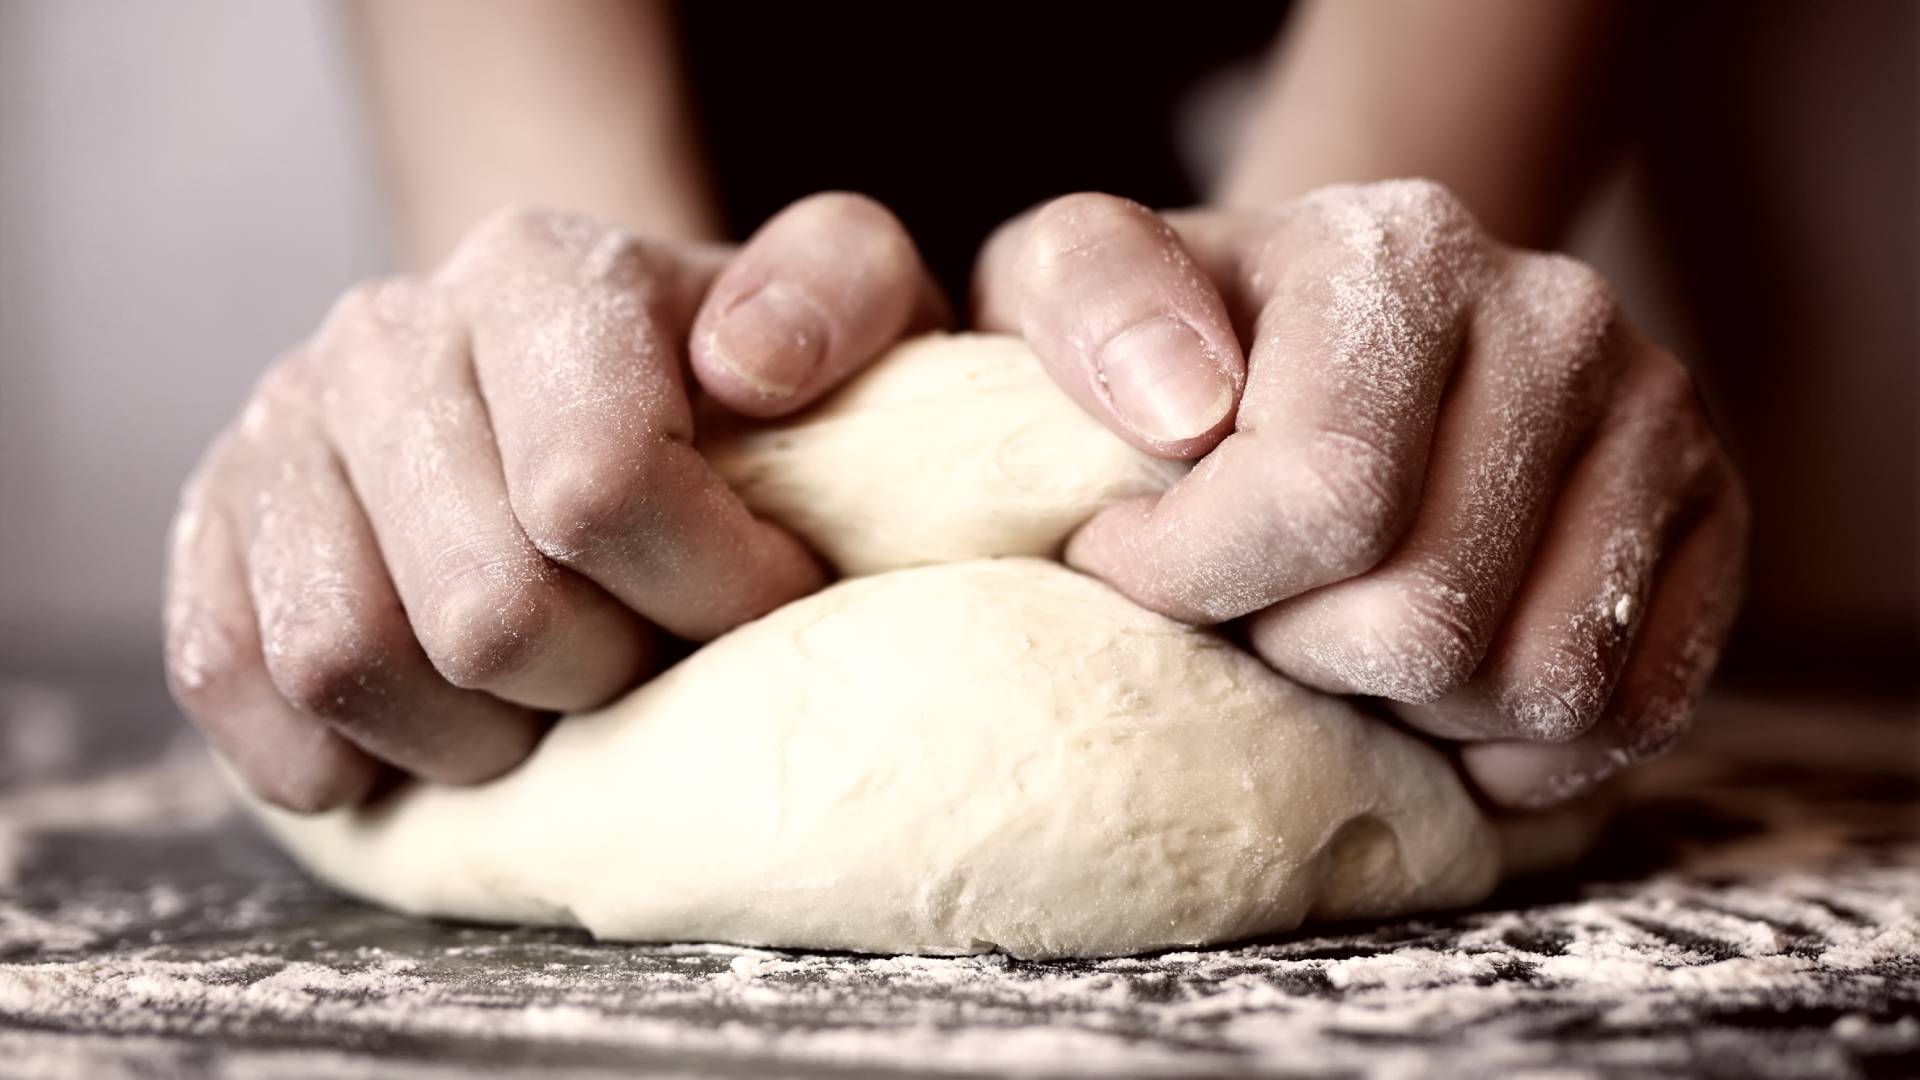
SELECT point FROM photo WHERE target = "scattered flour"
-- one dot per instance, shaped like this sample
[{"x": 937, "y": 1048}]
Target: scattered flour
[
  {"x": 1508, "y": 977},
  {"x": 176, "y": 791}
]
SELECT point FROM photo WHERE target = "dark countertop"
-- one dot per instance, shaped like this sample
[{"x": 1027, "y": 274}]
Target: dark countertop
[{"x": 1755, "y": 911}]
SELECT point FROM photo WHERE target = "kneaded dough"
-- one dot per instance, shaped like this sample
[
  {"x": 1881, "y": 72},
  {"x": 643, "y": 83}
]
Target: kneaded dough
[
  {"x": 951, "y": 448},
  {"x": 981, "y": 753},
  {"x": 993, "y": 754}
]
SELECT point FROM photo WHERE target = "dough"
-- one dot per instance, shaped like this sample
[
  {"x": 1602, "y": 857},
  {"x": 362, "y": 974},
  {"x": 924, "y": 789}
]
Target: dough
[
  {"x": 953, "y": 448},
  {"x": 986, "y": 753}
]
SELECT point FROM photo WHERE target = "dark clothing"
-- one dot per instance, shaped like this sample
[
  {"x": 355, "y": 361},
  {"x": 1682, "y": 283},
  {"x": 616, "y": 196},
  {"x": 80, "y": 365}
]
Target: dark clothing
[{"x": 957, "y": 117}]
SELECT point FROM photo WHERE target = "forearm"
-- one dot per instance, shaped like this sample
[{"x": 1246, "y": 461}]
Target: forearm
[
  {"x": 579, "y": 105},
  {"x": 1493, "y": 98}
]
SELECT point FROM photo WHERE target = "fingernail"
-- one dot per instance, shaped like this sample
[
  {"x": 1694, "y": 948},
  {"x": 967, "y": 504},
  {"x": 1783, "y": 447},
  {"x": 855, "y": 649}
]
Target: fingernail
[
  {"x": 773, "y": 340},
  {"x": 1594, "y": 769},
  {"x": 1163, "y": 380}
]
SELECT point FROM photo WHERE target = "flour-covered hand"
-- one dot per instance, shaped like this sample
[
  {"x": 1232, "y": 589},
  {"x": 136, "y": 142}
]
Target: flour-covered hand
[
  {"x": 472, "y": 498},
  {"x": 1431, "y": 468}
]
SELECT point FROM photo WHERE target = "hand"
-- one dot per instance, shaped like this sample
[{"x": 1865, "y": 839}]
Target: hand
[
  {"x": 1442, "y": 472},
  {"x": 472, "y": 499}
]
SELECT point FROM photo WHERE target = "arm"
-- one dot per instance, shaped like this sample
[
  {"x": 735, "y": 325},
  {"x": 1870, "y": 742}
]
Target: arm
[
  {"x": 577, "y": 104},
  {"x": 1492, "y": 98}
]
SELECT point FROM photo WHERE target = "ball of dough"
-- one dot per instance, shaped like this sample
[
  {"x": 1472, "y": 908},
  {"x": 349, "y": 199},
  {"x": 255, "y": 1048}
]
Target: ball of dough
[
  {"x": 995, "y": 754},
  {"x": 953, "y": 447}
]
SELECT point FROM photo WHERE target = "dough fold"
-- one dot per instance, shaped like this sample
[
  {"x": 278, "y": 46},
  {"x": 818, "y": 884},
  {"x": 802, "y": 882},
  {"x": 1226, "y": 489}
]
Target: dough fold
[{"x": 950, "y": 448}]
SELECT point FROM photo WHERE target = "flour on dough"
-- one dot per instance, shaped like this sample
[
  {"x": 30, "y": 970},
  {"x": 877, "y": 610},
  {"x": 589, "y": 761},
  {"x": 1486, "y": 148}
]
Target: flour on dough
[{"x": 980, "y": 753}]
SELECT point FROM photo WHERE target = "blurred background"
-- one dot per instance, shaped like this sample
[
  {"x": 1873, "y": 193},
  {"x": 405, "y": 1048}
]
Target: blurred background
[
  {"x": 185, "y": 187},
  {"x": 183, "y": 190}
]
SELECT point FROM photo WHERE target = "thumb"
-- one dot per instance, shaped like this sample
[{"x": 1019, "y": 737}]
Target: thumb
[
  {"x": 818, "y": 293},
  {"x": 1122, "y": 317}
]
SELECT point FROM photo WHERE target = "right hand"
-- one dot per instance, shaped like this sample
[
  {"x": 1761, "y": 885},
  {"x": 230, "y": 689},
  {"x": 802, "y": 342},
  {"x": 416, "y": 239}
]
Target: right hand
[{"x": 471, "y": 499}]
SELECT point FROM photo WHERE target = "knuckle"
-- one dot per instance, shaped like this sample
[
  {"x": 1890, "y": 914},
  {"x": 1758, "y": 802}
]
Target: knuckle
[
  {"x": 1427, "y": 636},
  {"x": 1393, "y": 269},
  {"x": 1576, "y": 288},
  {"x": 520, "y": 243},
  {"x": 1412, "y": 215},
  {"x": 1573, "y": 317},
  {"x": 1406, "y": 636},
  {"x": 1424, "y": 200},
  {"x": 518, "y": 235},
  {"x": 1434, "y": 234},
  {"x": 374, "y": 313},
  {"x": 485, "y": 629},
  {"x": 623, "y": 262},
  {"x": 521, "y": 233},
  {"x": 1347, "y": 502},
  {"x": 338, "y": 667},
  {"x": 576, "y": 503}
]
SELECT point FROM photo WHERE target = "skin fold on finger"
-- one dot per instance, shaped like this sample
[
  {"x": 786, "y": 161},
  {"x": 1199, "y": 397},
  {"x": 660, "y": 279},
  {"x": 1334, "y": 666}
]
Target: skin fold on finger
[
  {"x": 334, "y": 636},
  {"x": 1123, "y": 318},
  {"x": 1363, "y": 303},
  {"x": 1227, "y": 245},
  {"x": 1553, "y": 665},
  {"x": 1694, "y": 602},
  {"x": 585, "y": 391},
  {"x": 219, "y": 677},
  {"x": 819, "y": 292},
  {"x": 1542, "y": 357},
  {"x": 403, "y": 412}
]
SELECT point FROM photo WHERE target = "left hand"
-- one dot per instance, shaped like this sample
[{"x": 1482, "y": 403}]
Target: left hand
[{"x": 1433, "y": 469}]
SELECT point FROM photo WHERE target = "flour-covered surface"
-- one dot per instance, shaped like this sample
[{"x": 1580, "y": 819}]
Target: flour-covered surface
[{"x": 1754, "y": 913}]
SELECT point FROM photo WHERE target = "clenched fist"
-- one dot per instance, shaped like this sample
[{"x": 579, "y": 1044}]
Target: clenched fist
[
  {"x": 472, "y": 498},
  {"x": 1431, "y": 468}
]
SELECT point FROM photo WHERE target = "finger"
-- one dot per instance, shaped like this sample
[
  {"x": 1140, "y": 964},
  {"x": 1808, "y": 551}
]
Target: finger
[
  {"x": 491, "y": 612},
  {"x": 218, "y": 676},
  {"x": 336, "y": 641},
  {"x": 1122, "y": 317},
  {"x": 1363, "y": 305},
  {"x": 1692, "y": 611},
  {"x": 577, "y": 352},
  {"x": 1545, "y": 353},
  {"x": 1554, "y": 663},
  {"x": 822, "y": 289}
]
